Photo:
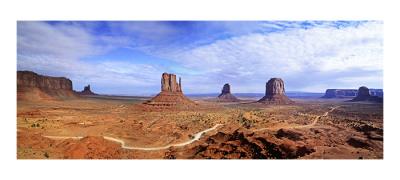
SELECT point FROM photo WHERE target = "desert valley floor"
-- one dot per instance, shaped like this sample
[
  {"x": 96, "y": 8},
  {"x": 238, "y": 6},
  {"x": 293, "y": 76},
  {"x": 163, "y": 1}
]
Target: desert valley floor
[{"x": 100, "y": 127}]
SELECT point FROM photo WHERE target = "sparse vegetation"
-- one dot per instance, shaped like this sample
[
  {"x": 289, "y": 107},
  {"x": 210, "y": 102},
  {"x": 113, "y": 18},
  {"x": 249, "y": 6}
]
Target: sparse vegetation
[{"x": 160, "y": 128}]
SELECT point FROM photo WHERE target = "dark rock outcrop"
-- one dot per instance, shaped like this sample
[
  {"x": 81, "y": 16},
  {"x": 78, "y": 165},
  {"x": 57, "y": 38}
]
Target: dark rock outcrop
[
  {"x": 226, "y": 95},
  {"x": 86, "y": 91},
  {"x": 363, "y": 94},
  {"x": 32, "y": 86},
  {"x": 171, "y": 95},
  {"x": 275, "y": 93},
  {"x": 244, "y": 145}
]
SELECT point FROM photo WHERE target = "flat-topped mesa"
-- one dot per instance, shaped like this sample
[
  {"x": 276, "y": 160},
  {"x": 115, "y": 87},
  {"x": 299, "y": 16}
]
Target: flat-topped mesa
[
  {"x": 171, "y": 94},
  {"x": 226, "y": 95},
  {"x": 275, "y": 92},
  {"x": 33, "y": 86},
  {"x": 86, "y": 91},
  {"x": 363, "y": 94},
  {"x": 31, "y": 79}
]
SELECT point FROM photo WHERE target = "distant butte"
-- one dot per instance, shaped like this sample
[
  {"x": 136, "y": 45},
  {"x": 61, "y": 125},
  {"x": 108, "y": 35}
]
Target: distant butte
[
  {"x": 275, "y": 93},
  {"x": 226, "y": 95},
  {"x": 171, "y": 94},
  {"x": 349, "y": 93},
  {"x": 363, "y": 94},
  {"x": 86, "y": 91}
]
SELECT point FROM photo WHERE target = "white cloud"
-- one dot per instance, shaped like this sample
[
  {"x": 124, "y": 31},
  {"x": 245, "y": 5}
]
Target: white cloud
[
  {"x": 144, "y": 31},
  {"x": 43, "y": 39},
  {"x": 313, "y": 59},
  {"x": 108, "y": 75},
  {"x": 57, "y": 50},
  {"x": 290, "y": 54}
]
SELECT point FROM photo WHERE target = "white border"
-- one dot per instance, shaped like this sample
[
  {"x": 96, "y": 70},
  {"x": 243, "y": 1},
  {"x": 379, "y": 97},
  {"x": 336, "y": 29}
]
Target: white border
[{"x": 11, "y": 11}]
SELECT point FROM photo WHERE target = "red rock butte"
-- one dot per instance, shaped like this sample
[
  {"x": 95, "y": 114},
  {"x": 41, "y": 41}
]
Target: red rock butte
[
  {"x": 275, "y": 93},
  {"x": 171, "y": 94},
  {"x": 86, "y": 91},
  {"x": 226, "y": 95},
  {"x": 363, "y": 94}
]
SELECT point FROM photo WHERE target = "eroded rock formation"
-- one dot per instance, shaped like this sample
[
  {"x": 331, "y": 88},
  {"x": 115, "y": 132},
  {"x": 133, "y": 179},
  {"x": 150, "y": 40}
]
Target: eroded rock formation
[
  {"x": 363, "y": 94},
  {"x": 86, "y": 91},
  {"x": 243, "y": 145},
  {"x": 226, "y": 95},
  {"x": 168, "y": 83},
  {"x": 31, "y": 79},
  {"x": 171, "y": 94},
  {"x": 275, "y": 92},
  {"x": 32, "y": 86}
]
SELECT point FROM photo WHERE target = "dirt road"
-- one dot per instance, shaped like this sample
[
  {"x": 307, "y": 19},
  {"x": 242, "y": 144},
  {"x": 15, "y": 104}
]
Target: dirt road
[{"x": 300, "y": 126}]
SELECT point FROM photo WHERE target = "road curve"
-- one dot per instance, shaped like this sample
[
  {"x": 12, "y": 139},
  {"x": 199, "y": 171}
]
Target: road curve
[{"x": 196, "y": 137}]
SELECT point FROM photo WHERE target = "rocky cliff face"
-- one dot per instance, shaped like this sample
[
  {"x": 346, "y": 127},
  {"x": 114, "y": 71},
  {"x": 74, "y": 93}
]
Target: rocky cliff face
[
  {"x": 31, "y": 79},
  {"x": 275, "y": 92},
  {"x": 275, "y": 86},
  {"x": 171, "y": 95},
  {"x": 363, "y": 94},
  {"x": 226, "y": 95},
  {"x": 169, "y": 84},
  {"x": 86, "y": 91},
  {"x": 32, "y": 86}
]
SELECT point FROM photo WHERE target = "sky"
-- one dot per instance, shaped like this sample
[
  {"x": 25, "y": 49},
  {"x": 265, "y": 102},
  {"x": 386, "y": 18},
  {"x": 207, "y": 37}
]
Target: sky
[{"x": 128, "y": 57}]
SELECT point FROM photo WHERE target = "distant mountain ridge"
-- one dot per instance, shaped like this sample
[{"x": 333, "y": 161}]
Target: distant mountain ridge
[
  {"x": 291, "y": 94},
  {"x": 349, "y": 93}
]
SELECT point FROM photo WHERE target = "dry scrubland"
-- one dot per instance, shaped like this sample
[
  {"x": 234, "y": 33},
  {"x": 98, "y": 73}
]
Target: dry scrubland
[{"x": 115, "y": 128}]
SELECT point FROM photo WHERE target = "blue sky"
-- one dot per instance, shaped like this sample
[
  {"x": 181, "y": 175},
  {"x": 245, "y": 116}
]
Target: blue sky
[{"x": 128, "y": 57}]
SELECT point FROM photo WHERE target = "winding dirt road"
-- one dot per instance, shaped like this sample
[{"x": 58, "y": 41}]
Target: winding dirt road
[
  {"x": 300, "y": 126},
  {"x": 196, "y": 136}
]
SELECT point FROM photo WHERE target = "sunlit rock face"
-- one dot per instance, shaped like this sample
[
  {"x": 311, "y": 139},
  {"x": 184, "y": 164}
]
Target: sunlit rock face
[{"x": 275, "y": 92}]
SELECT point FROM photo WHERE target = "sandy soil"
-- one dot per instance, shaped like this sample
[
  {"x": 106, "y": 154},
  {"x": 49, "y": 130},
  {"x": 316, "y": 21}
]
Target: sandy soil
[{"x": 308, "y": 129}]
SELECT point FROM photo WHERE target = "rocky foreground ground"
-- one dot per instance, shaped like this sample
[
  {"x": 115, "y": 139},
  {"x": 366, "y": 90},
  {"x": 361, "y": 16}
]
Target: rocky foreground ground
[{"x": 312, "y": 129}]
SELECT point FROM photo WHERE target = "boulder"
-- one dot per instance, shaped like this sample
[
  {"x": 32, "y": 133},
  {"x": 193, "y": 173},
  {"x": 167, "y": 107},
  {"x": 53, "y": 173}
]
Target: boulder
[{"x": 275, "y": 92}]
